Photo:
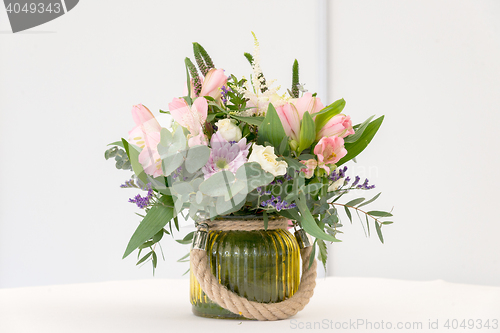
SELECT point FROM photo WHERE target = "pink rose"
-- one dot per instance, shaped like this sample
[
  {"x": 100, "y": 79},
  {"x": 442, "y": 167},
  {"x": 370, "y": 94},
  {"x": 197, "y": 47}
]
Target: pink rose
[
  {"x": 340, "y": 125},
  {"x": 329, "y": 151},
  {"x": 311, "y": 165}
]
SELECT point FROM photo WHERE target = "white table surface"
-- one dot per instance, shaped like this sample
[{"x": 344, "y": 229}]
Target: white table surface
[{"x": 162, "y": 305}]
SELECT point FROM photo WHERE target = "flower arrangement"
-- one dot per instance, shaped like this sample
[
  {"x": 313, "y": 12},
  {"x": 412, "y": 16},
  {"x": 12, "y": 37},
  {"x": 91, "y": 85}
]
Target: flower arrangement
[{"x": 239, "y": 147}]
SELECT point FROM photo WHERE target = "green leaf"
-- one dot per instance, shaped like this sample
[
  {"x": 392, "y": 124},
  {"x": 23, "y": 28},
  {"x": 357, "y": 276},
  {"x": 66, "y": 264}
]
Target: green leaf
[
  {"x": 327, "y": 113},
  {"x": 313, "y": 254},
  {"x": 359, "y": 131},
  {"x": 158, "y": 236},
  {"x": 295, "y": 79},
  {"x": 197, "y": 157},
  {"x": 378, "y": 213},
  {"x": 187, "y": 239},
  {"x": 117, "y": 143},
  {"x": 348, "y": 213},
  {"x": 188, "y": 83},
  {"x": 355, "y": 148},
  {"x": 292, "y": 162},
  {"x": 292, "y": 214},
  {"x": 133, "y": 156},
  {"x": 184, "y": 257},
  {"x": 253, "y": 176},
  {"x": 147, "y": 244},
  {"x": 309, "y": 223},
  {"x": 155, "y": 261},
  {"x": 143, "y": 259},
  {"x": 379, "y": 232},
  {"x": 370, "y": 201},
  {"x": 155, "y": 220},
  {"x": 387, "y": 222},
  {"x": 311, "y": 188},
  {"x": 218, "y": 184},
  {"x": 354, "y": 202},
  {"x": 284, "y": 148},
  {"x": 271, "y": 129},
  {"x": 257, "y": 121},
  {"x": 307, "y": 132},
  {"x": 322, "y": 252}
]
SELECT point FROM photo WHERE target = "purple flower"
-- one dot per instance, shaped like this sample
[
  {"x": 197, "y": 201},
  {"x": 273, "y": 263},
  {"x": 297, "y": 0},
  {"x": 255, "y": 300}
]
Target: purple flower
[
  {"x": 225, "y": 156},
  {"x": 277, "y": 203},
  {"x": 225, "y": 91},
  {"x": 143, "y": 202}
]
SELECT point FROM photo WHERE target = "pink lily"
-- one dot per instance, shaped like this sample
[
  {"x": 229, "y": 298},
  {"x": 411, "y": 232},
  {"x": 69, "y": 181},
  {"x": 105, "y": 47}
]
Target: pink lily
[
  {"x": 311, "y": 165},
  {"x": 193, "y": 118},
  {"x": 146, "y": 135},
  {"x": 340, "y": 125},
  {"x": 212, "y": 83},
  {"x": 291, "y": 113},
  {"x": 329, "y": 151}
]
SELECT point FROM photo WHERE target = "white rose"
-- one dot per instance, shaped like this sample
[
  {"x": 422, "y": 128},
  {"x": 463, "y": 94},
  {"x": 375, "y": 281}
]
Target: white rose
[
  {"x": 267, "y": 159},
  {"x": 229, "y": 130}
]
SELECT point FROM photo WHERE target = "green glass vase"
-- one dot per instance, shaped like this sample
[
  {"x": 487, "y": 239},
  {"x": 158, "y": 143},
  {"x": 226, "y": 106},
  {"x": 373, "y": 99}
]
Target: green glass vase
[{"x": 260, "y": 265}]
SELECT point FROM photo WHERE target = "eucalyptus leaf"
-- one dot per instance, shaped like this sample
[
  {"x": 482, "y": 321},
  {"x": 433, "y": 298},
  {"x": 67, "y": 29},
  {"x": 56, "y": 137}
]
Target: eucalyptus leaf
[
  {"x": 379, "y": 232},
  {"x": 378, "y": 213},
  {"x": 187, "y": 239},
  {"x": 348, "y": 213},
  {"x": 308, "y": 222},
  {"x": 143, "y": 259},
  {"x": 354, "y": 202},
  {"x": 370, "y": 201}
]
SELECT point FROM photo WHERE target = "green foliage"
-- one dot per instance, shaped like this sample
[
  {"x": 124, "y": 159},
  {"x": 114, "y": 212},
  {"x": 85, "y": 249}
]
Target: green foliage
[
  {"x": 328, "y": 112},
  {"x": 354, "y": 148},
  {"x": 202, "y": 59},
  {"x": 308, "y": 222},
  {"x": 256, "y": 121},
  {"x": 271, "y": 130},
  {"x": 120, "y": 155},
  {"x": 249, "y": 57},
  {"x": 194, "y": 76},
  {"x": 322, "y": 255},
  {"x": 307, "y": 132},
  {"x": 295, "y": 79},
  {"x": 157, "y": 217}
]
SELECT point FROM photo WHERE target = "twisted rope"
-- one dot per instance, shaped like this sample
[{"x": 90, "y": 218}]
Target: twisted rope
[
  {"x": 246, "y": 225},
  {"x": 250, "y": 309}
]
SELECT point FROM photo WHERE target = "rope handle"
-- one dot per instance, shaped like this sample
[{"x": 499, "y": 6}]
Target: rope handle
[{"x": 240, "y": 305}]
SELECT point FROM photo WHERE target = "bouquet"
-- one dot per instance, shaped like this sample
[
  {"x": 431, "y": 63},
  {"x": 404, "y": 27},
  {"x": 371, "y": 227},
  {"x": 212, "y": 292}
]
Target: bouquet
[{"x": 238, "y": 146}]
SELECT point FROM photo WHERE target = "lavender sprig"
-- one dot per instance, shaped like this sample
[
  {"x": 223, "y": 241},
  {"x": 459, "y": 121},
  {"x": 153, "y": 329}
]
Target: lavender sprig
[
  {"x": 143, "y": 202},
  {"x": 277, "y": 203}
]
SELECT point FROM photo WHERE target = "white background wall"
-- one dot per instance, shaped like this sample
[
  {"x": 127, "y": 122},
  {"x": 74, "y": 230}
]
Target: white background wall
[
  {"x": 67, "y": 87},
  {"x": 433, "y": 68}
]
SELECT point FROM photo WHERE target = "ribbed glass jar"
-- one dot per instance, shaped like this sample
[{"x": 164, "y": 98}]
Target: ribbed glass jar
[{"x": 260, "y": 265}]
